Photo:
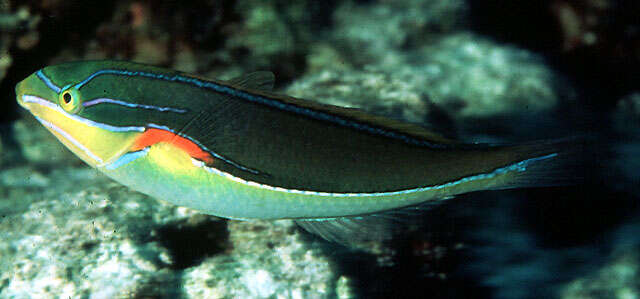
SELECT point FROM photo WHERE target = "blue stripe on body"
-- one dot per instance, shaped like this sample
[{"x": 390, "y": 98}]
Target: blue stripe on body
[
  {"x": 268, "y": 102},
  {"x": 131, "y": 105}
]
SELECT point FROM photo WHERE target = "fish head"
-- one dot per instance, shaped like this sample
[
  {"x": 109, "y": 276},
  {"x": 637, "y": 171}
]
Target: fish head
[{"x": 61, "y": 99}]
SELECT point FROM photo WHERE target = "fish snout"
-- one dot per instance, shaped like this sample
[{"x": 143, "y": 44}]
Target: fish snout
[
  {"x": 30, "y": 86},
  {"x": 20, "y": 92}
]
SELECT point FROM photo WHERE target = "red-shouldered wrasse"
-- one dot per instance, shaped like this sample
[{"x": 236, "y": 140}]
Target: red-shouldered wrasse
[{"x": 235, "y": 149}]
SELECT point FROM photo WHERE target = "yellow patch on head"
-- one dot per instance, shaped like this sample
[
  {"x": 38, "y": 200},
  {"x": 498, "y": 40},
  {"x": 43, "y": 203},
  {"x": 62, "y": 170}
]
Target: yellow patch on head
[{"x": 94, "y": 145}]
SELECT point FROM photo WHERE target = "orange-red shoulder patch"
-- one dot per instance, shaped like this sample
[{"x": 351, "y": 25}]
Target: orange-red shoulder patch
[{"x": 152, "y": 136}]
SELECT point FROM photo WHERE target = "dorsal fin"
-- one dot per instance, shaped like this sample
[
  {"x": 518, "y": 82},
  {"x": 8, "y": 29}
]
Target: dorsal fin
[
  {"x": 409, "y": 129},
  {"x": 261, "y": 80},
  {"x": 389, "y": 123}
]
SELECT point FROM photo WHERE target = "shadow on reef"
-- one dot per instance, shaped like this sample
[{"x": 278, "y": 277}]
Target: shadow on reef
[
  {"x": 415, "y": 263},
  {"x": 190, "y": 242}
]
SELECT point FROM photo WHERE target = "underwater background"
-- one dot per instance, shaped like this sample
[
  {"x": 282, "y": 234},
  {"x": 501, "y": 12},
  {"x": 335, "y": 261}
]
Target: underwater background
[{"x": 479, "y": 71}]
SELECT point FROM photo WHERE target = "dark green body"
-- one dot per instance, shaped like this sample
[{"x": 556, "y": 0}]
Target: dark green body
[
  {"x": 288, "y": 149},
  {"x": 273, "y": 156}
]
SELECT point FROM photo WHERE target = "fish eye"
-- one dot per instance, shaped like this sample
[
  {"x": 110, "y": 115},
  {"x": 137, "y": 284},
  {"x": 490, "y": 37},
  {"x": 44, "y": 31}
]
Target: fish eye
[
  {"x": 69, "y": 101},
  {"x": 66, "y": 96}
]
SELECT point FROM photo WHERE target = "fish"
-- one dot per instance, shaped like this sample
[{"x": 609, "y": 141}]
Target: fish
[{"x": 235, "y": 149}]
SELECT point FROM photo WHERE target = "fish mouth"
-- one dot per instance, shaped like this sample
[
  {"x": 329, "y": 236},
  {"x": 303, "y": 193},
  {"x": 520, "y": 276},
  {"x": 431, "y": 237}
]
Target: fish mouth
[
  {"x": 38, "y": 106},
  {"x": 26, "y": 99},
  {"x": 95, "y": 143},
  {"x": 22, "y": 103},
  {"x": 20, "y": 95}
]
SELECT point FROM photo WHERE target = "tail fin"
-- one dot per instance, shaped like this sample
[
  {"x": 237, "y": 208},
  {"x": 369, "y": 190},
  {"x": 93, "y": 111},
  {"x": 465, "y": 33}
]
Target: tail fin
[{"x": 558, "y": 162}]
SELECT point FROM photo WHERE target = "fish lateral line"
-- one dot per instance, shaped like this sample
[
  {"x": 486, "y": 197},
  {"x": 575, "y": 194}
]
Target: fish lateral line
[{"x": 521, "y": 166}]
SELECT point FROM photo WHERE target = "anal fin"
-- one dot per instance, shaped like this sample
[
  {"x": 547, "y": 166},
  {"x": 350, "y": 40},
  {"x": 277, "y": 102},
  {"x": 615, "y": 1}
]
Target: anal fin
[{"x": 363, "y": 228}]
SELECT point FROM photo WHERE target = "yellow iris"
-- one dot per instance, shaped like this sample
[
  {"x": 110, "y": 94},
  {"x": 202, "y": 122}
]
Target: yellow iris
[{"x": 69, "y": 100}]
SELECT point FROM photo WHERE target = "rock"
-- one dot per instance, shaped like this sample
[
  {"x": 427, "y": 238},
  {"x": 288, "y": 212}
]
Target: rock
[
  {"x": 378, "y": 34},
  {"x": 627, "y": 112},
  {"x": 617, "y": 275},
  {"x": 268, "y": 259},
  {"x": 626, "y": 122},
  {"x": 458, "y": 79},
  {"x": 373, "y": 90},
  {"x": 17, "y": 30},
  {"x": 267, "y": 35},
  {"x": 75, "y": 233},
  {"x": 70, "y": 231},
  {"x": 619, "y": 278},
  {"x": 473, "y": 77}
]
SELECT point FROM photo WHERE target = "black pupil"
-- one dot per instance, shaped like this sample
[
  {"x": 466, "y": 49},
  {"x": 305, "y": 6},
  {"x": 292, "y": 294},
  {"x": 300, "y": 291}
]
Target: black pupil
[{"x": 67, "y": 98}]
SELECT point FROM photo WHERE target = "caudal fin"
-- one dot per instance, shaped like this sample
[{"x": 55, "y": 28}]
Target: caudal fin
[{"x": 549, "y": 163}]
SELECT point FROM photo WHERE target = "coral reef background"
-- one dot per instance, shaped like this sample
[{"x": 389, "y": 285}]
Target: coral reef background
[{"x": 479, "y": 71}]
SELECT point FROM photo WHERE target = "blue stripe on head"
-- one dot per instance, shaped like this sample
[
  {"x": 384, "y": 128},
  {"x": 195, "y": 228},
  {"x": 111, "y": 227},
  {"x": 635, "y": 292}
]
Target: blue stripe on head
[{"x": 48, "y": 82}]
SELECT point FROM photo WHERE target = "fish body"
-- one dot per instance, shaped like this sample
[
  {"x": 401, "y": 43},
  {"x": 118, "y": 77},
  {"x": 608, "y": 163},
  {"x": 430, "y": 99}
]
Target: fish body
[{"x": 236, "y": 150}]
